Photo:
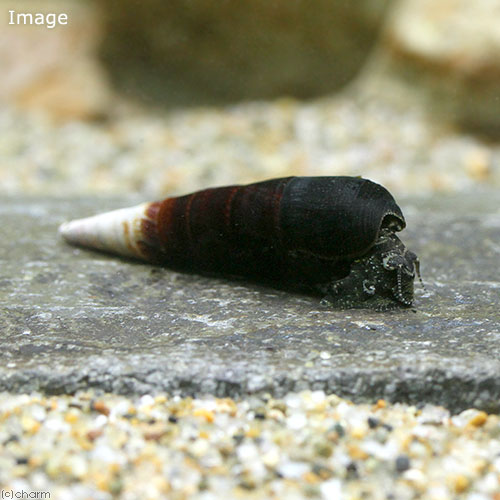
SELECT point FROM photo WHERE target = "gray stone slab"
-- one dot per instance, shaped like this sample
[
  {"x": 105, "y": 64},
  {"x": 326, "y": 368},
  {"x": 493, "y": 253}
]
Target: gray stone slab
[{"x": 72, "y": 318}]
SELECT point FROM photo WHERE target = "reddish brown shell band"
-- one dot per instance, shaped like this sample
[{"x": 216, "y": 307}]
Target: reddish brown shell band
[
  {"x": 173, "y": 229},
  {"x": 150, "y": 244}
]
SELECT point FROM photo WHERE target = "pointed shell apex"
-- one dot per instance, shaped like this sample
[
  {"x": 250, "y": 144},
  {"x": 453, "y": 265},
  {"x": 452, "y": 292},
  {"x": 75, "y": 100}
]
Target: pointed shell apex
[{"x": 118, "y": 231}]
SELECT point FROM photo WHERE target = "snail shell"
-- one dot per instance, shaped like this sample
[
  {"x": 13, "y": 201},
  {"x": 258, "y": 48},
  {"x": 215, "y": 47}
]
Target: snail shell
[{"x": 329, "y": 235}]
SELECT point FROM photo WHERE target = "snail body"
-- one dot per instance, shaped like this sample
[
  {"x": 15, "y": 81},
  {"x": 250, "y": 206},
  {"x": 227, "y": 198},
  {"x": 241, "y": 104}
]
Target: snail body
[{"x": 333, "y": 236}]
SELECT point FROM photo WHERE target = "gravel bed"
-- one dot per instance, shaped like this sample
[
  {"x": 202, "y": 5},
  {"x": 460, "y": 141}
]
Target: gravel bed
[
  {"x": 153, "y": 153},
  {"x": 307, "y": 445}
]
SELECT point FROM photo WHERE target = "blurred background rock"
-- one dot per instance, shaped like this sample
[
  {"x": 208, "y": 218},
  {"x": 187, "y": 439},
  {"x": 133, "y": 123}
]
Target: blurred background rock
[
  {"x": 54, "y": 70},
  {"x": 448, "y": 53},
  {"x": 165, "y": 97},
  {"x": 205, "y": 51}
]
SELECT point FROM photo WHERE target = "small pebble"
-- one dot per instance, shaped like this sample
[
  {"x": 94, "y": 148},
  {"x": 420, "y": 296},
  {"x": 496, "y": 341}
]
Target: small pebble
[
  {"x": 100, "y": 407},
  {"x": 402, "y": 463}
]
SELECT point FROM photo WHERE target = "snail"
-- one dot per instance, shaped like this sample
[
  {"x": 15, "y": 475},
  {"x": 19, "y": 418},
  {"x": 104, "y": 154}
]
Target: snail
[{"x": 331, "y": 236}]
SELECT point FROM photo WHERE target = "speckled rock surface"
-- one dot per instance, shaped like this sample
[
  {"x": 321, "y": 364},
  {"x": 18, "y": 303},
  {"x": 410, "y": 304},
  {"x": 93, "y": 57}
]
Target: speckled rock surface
[{"x": 73, "y": 319}]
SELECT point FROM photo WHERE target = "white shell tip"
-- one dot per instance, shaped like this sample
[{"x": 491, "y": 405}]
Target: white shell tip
[{"x": 119, "y": 231}]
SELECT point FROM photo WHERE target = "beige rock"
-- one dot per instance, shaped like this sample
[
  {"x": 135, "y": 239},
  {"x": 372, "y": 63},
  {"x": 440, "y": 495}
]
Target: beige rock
[
  {"x": 53, "y": 69},
  {"x": 449, "y": 50}
]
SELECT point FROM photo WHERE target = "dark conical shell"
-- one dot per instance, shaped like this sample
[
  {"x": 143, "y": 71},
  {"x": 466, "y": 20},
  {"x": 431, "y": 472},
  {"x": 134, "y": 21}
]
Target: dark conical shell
[{"x": 297, "y": 230}]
